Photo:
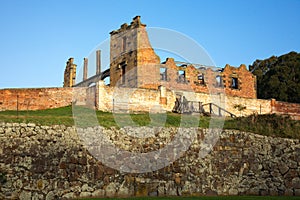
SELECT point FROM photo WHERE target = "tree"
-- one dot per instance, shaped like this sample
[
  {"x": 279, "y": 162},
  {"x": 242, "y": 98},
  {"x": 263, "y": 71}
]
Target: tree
[{"x": 278, "y": 77}]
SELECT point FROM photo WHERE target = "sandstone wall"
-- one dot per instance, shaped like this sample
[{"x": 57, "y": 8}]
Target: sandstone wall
[
  {"x": 133, "y": 99},
  {"x": 259, "y": 106},
  {"x": 41, "y": 162},
  {"x": 137, "y": 99}
]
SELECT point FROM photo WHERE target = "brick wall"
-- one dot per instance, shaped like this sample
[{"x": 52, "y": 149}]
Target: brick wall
[
  {"x": 134, "y": 99},
  {"x": 129, "y": 49},
  {"x": 285, "y": 108},
  {"x": 246, "y": 81},
  {"x": 34, "y": 98},
  {"x": 135, "y": 64}
]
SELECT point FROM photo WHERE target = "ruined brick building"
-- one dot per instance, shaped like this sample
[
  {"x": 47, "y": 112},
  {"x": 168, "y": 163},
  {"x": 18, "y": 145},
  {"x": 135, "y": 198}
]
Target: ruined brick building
[
  {"x": 70, "y": 73},
  {"x": 140, "y": 81},
  {"x": 134, "y": 64}
]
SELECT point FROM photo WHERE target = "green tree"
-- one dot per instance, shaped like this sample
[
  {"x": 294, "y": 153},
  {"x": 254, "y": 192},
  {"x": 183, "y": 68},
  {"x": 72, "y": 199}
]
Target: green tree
[{"x": 278, "y": 77}]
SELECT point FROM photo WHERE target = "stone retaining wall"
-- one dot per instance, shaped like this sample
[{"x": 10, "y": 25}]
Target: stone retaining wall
[{"x": 42, "y": 162}]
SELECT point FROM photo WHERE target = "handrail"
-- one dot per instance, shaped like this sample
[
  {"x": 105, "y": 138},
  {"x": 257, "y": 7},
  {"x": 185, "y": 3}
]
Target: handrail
[{"x": 219, "y": 108}]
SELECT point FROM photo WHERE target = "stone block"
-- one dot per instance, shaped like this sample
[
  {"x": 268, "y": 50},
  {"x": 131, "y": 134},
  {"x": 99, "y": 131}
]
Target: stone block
[
  {"x": 25, "y": 195},
  {"x": 297, "y": 192},
  {"x": 98, "y": 193},
  {"x": 296, "y": 183}
]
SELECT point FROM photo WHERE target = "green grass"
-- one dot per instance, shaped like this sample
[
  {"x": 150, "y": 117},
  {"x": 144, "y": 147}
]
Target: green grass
[
  {"x": 207, "y": 198},
  {"x": 270, "y": 125},
  {"x": 42, "y": 117}
]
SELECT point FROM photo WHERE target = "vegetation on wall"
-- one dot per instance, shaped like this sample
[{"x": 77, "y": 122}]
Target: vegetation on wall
[
  {"x": 278, "y": 77},
  {"x": 2, "y": 178}
]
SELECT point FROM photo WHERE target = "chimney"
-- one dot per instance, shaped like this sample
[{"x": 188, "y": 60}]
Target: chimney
[
  {"x": 98, "y": 62},
  {"x": 85, "y": 68}
]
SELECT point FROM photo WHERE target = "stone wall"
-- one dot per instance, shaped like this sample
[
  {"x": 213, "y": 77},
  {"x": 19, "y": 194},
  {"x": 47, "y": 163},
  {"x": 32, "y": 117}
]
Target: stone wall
[
  {"x": 138, "y": 99},
  {"x": 132, "y": 99},
  {"x": 42, "y": 162}
]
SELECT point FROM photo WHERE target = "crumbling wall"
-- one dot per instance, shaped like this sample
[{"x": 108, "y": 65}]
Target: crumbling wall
[
  {"x": 131, "y": 55},
  {"x": 246, "y": 82},
  {"x": 70, "y": 73},
  {"x": 201, "y": 80}
]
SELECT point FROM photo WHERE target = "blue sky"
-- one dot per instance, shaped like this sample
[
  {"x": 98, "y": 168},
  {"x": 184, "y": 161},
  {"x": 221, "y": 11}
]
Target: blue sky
[{"x": 37, "y": 37}]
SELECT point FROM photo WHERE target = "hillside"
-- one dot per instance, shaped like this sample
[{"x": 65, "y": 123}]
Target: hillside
[
  {"x": 268, "y": 125},
  {"x": 278, "y": 77}
]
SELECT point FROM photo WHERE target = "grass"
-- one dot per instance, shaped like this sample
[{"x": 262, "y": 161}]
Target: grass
[
  {"x": 207, "y": 198},
  {"x": 270, "y": 125}
]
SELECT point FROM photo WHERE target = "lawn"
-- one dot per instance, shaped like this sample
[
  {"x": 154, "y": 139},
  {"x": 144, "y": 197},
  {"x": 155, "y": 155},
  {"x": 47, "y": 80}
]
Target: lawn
[{"x": 270, "y": 125}]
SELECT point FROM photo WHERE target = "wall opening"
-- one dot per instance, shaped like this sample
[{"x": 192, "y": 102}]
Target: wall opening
[
  {"x": 107, "y": 80},
  {"x": 219, "y": 81},
  {"x": 181, "y": 76},
  {"x": 124, "y": 39},
  {"x": 163, "y": 74},
  {"x": 200, "y": 79},
  {"x": 234, "y": 83},
  {"x": 123, "y": 74},
  {"x": 91, "y": 84}
]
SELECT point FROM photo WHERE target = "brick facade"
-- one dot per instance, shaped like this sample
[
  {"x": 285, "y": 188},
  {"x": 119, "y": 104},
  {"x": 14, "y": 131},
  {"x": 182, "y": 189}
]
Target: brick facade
[
  {"x": 134, "y": 64},
  {"x": 129, "y": 49},
  {"x": 148, "y": 84}
]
